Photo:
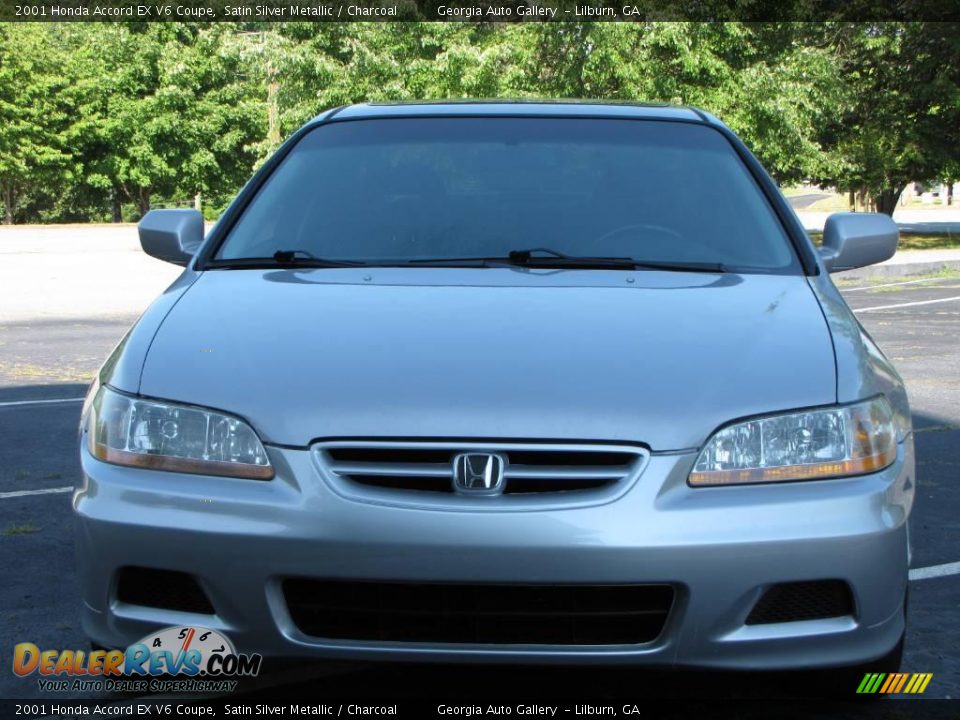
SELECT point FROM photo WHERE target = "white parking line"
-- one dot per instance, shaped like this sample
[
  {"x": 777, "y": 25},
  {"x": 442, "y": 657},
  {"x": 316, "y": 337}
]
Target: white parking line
[
  {"x": 935, "y": 571},
  {"x": 895, "y": 284},
  {"x": 909, "y": 304},
  {"x": 42, "y": 491},
  {"x": 54, "y": 401}
]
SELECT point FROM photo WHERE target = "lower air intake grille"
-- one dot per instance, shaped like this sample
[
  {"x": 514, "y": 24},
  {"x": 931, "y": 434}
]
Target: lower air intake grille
[
  {"x": 166, "y": 589},
  {"x": 479, "y": 614},
  {"x": 789, "y": 602}
]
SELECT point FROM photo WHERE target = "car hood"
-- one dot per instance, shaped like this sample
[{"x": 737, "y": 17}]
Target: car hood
[{"x": 658, "y": 358}]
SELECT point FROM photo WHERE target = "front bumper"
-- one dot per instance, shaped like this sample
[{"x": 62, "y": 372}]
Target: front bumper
[{"x": 719, "y": 547}]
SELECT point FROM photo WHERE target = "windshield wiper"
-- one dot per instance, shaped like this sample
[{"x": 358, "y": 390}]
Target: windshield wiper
[
  {"x": 555, "y": 259},
  {"x": 517, "y": 258},
  {"x": 284, "y": 259},
  {"x": 681, "y": 266}
]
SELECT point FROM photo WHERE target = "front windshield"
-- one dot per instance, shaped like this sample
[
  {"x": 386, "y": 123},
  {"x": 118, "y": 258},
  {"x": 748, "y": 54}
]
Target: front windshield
[{"x": 401, "y": 190}]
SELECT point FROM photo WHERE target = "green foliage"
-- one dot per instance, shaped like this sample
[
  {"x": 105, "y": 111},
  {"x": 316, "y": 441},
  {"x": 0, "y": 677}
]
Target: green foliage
[
  {"x": 167, "y": 112},
  {"x": 105, "y": 120},
  {"x": 35, "y": 123},
  {"x": 900, "y": 106}
]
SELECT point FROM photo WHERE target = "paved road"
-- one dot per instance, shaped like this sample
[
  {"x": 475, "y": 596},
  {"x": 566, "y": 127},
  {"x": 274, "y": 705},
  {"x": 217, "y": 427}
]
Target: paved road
[
  {"x": 802, "y": 201},
  {"x": 918, "y": 324},
  {"x": 934, "y": 220},
  {"x": 62, "y": 271},
  {"x": 923, "y": 339}
]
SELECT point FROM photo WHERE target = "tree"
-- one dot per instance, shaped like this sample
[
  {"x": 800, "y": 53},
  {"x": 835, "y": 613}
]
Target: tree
[
  {"x": 769, "y": 88},
  {"x": 167, "y": 111},
  {"x": 900, "y": 119},
  {"x": 216, "y": 115},
  {"x": 108, "y": 119},
  {"x": 34, "y": 119},
  {"x": 129, "y": 137}
]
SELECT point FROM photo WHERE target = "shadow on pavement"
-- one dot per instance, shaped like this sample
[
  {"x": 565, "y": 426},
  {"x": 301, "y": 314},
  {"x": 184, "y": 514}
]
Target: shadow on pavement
[
  {"x": 931, "y": 228},
  {"x": 53, "y": 391}
]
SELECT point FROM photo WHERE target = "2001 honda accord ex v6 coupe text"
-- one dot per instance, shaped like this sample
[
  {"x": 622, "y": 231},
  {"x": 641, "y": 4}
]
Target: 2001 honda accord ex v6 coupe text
[{"x": 542, "y": 382}]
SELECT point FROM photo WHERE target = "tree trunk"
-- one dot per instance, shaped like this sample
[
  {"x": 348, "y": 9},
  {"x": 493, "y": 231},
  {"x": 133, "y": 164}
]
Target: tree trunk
[
  {"x": 887, "y": 200},
  {"x": 852, "y": 200},
  {"x": 9, "y": 203},
  {"x": 143, "y": 201},
  {"x": 273, "y": 108},
  {"x": 949, "y": 192},
  {"x": 117, "y": 207}
]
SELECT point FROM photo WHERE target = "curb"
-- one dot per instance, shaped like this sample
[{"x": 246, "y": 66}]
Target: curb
[{"x": 898, "y": 269}]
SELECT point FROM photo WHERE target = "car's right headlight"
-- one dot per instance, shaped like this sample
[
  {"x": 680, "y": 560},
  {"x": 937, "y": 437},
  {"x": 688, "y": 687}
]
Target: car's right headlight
[
  {"x": 812, "y": 444},
  {"x": 159, "y": 435}
]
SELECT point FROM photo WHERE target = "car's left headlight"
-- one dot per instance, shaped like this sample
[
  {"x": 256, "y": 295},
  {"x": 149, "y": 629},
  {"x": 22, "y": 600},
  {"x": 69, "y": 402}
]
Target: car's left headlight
[
  {"x": 807, "y": 445},
  {"x": 159, "y": 435}
]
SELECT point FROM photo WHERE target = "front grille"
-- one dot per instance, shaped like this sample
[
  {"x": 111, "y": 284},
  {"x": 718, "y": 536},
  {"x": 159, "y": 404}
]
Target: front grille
[
  {"x": 529, "y": 469},
  {"x": 789, "y": 602},
  {"x": 478, "y": 613},
  {"x": 165, "y": 589}
]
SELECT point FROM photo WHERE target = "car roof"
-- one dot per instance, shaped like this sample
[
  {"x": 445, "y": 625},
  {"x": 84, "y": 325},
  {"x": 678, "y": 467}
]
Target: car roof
[{"x": 520, "y": 108}]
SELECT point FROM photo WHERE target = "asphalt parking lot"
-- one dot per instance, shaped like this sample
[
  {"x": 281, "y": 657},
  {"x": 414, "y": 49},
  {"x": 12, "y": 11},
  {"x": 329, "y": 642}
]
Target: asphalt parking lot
[{"x": 46, "y": 362}]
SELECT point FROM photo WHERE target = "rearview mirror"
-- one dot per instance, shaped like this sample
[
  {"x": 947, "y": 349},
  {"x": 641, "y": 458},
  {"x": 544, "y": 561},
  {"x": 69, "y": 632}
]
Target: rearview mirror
[
  {"x": 171, "y": 235},
  {"x": 853, "y": 240}
]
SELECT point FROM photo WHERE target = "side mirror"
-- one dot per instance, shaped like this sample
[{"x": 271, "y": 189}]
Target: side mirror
[
  {"x": 852, "y": 240},
  {"x": 173, "y": 236}
]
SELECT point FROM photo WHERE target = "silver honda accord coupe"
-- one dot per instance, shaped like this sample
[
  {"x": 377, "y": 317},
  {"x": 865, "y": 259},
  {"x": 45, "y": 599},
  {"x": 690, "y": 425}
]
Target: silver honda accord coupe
[{"x": 504, "y": 382}]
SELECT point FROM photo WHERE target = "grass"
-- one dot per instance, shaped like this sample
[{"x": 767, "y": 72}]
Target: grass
[
  {"x": 840, "y": 202},
  {"x": 937, "y": 428},
  {"x": 794, "y": 191},
  {"x": 942, "y": 274},
  {"x": 28, "y": 372},
  {"x": 915, "y": 202},
  {"x": 834, "y": 203},
  {"x": 914, "y": 241},
  {"x": 27, "y": 528},
  {"x": 919, "y": 241},
  {"x": 902, "y": 288}
]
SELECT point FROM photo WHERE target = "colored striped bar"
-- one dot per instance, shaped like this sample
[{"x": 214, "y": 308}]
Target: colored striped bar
[
  {"x": 894, "y": 683},
  {"x": 891, "y": 680},
  {"x": 918, "y": 683},
  {"x": 870, "y": 683},
  {"x": 903, "y": 680}
]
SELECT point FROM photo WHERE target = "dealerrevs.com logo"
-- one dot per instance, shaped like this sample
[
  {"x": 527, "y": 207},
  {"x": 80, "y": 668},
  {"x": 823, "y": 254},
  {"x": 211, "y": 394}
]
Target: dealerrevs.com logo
[{"x": 177, "y": 658}]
